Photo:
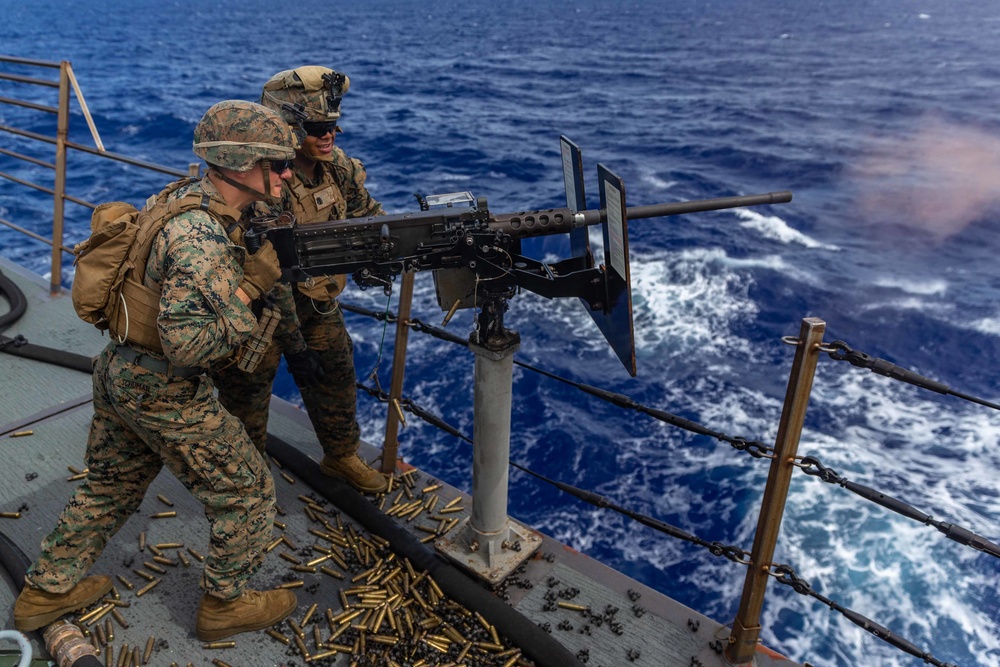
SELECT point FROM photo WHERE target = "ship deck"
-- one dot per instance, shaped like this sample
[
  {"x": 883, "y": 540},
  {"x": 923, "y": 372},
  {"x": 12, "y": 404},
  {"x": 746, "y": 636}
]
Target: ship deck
[{"x": 626, "y": 623}]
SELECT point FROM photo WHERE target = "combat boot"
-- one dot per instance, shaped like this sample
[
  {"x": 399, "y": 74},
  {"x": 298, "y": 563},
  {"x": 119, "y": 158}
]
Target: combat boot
[
  {"x": 35, "y": 608},
  {"x": 253, "y": 610},
  {"x": 358, "y": 474}
]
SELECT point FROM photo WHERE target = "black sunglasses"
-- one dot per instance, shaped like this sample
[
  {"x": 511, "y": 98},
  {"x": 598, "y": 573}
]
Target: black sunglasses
[
  {"x": 320, "y": 129},
  {"x": 280, "y": 166}
]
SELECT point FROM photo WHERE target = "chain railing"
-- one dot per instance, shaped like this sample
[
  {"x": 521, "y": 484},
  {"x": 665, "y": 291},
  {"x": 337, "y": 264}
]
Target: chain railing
[{"x": 809, "y": 465}]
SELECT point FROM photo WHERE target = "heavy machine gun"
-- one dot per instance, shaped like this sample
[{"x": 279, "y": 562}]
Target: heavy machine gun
[
  {"x": 477, "y": 262},
  {"x": 476, "y": 254}
]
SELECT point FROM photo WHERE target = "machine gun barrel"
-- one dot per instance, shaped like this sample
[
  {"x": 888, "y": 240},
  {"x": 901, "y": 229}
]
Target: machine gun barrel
[{"x": 561, "y": 220}]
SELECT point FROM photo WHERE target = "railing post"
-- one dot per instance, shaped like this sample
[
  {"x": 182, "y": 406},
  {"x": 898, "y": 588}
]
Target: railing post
[
  {"x": 390, "y": 447},
  {"x": 59, "y": 193},
  {"x": 746, "y": 626}
]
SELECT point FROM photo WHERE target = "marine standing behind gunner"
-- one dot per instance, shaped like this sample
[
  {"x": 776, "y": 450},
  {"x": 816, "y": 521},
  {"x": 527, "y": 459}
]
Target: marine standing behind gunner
[
  {"x": 154, "y": 407},
  {"x": 325, "y": 185}
]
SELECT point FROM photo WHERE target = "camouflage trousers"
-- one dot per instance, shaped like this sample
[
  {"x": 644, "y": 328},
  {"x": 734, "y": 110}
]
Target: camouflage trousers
[
  {"x": 332, "y": 405},
  {"x": 144, "y": 421}
]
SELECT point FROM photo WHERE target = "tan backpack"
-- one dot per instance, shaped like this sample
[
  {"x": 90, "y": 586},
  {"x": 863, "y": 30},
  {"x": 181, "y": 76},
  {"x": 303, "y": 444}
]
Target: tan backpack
[{"x": 108, "y": 289}]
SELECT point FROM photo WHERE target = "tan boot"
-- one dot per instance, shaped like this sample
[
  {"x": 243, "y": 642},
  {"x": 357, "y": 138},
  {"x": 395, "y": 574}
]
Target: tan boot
[
  {"x": 358, "y": 474},
  {"x": 253, "y": 610},
  {"x": 34, "y": 608}
]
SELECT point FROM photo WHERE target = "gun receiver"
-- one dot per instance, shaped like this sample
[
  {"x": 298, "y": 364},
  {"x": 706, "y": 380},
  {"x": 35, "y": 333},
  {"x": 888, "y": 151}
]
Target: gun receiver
[{"x": 476, "y": 255}]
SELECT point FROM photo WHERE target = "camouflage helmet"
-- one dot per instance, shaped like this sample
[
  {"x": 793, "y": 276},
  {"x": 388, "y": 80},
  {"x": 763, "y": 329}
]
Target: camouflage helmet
[
  {"x": 309, "y": 94},
  {"x": 236, "y": 135}
]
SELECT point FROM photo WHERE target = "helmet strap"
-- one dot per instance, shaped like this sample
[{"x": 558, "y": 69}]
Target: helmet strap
[{"x": 265, "y": 168}]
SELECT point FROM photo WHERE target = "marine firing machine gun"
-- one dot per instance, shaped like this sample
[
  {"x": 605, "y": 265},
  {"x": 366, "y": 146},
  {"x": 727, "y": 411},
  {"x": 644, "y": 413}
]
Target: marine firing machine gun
[{"x": 477, "y": 262}]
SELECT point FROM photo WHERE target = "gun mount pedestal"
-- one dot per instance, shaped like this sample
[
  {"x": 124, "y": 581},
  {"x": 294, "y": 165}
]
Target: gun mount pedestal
[{"x": 490, "y": 544}]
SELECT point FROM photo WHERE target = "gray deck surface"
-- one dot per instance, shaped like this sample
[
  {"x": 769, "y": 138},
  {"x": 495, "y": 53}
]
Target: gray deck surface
[{"x": 54, "y": 404}]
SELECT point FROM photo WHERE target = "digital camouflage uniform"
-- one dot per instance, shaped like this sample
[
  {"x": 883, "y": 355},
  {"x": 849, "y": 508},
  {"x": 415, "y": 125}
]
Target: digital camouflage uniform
[
  {"x": 318, "y": 324},
  {"x": 145, "y": 420}
]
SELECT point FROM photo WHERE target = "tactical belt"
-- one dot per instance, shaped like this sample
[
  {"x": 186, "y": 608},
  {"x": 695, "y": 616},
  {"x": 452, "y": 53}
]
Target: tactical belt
[{"x": 151, "y": 363}]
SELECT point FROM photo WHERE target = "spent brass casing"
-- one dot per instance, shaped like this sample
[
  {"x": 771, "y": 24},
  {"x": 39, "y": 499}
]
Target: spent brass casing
[
  {"x": 304, "y": 568},
  {"x": 572, "y": 607},
  {"x": 166, "y": 501},
  {"x": 272, "y": 545},
  {"x": 398, "y": 409},
  {"x": 153, "y": 550},
  {"x": 220, "y": 663},
  {"x": 218, "y": 645},
  {"x": 277, "y": 635},
  {"x": 142, "y": 541},
  {"x": 317, "y": 561},
  {"x": 136, "y": 657},
  {"x": 302, "y": 647},
  {"x": 465, "y": 650},
  {"x": 279, "y": 524},
  {"x": 109, "y": 630},
  {"x": 287, "y": 540},
  {"x": 290, "y": 558},
  {"x": 149, "y": 649},
  {"x": 336, "y": 633},
  {"x": 324, "y": 654},
  {"x": 163, "y": 515},
  {"x": 330, "y": 571},
  {"x": 109, "y": 656},
  {"x": 201, "y": 559},
  {"x": 117, "y": 615},
  {"x": 73, "y": 478},
  {"x": 288, "y": 478},
  {"x": 489, "y": 646},
  {"x": 145, "y": 575},
  {"x": 10, "y": 515},
  {"x": 125, "y": 582},
  {"x": 101, "y": 637},
  {"x": 513, "y": 660},
  {"x": 451, "y": 510},
  {"x": 296, "y": 628},
  {"x": 106, "y": 607},
  {"x": 170, "y": 545},
  {"x": 277, "y": 508},
  {"x": 124, "y": 656},
  {"x": 432, "y": 487},
  {"x": 148, "y": 587},
  {"x": 309, "y": 613},
  {"x": 184, "y": 559},
  {"x": 291, "y": 584},
  {"x": 21, "y": 434},
  {"x": 154, "y": 567}
]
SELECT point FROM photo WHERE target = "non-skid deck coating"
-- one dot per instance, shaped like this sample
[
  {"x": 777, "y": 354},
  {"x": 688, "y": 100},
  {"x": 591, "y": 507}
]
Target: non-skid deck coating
[{"x": 54, "y": 404}]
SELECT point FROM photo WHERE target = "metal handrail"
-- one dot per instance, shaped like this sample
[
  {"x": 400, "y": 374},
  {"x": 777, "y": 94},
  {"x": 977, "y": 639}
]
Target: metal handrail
[{"x": 67, "y": 81}]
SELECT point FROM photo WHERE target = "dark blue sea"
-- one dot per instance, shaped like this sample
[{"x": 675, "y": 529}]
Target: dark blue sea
[{"x": 883, "y": 118}]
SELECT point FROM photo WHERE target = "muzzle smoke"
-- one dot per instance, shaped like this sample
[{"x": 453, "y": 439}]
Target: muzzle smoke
[{"x": 940, "y": 179}]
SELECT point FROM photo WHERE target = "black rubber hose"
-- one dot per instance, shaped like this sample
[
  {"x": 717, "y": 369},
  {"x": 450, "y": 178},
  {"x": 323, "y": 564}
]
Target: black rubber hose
[
  {"x": 15, "y": 563},
  {"x": 15, "y": 296},
  {"x": 534, "y": 642},
  {"x": 50, "y": 355}
]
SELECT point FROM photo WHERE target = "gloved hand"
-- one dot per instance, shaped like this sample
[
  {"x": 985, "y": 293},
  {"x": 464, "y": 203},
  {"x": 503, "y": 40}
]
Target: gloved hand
[
  {"x": 306, "y": 367},
  {"x": 260, "y": 271}
]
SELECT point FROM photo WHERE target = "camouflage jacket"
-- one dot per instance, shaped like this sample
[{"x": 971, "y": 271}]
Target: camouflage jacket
[{"x": 196, "y": 269}]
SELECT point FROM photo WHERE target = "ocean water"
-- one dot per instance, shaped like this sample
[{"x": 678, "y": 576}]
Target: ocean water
[{"x": 879, "y": 115}]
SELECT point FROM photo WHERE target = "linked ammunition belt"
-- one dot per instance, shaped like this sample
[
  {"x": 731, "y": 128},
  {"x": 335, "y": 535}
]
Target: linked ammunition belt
[{"x": 151, "y": 363}]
